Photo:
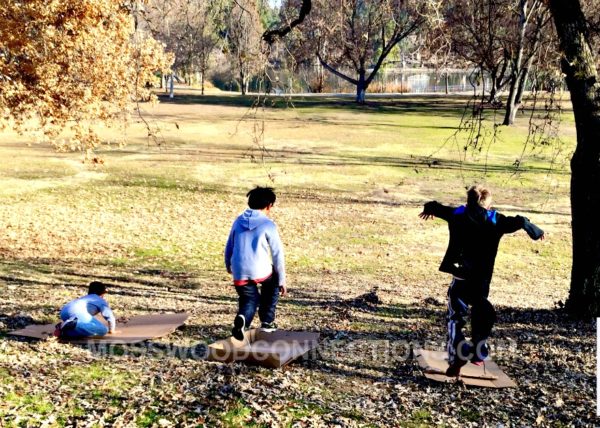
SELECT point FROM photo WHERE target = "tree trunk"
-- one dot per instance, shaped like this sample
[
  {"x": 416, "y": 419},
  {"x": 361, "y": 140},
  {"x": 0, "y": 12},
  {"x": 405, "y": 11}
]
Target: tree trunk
[
  {"x": 517, "y": 67},
  {"x": 361, "y": 87},
  {"x": 582, "y": 80},
  {"x": 493, "y": 89},
  {"x": 446, "y": 82},
  {"x": 202, "y": 82},
  {"x": 511, "y": 102},
  {"x": 242, "y": 83},
  {"x": 521, "y": 86}
]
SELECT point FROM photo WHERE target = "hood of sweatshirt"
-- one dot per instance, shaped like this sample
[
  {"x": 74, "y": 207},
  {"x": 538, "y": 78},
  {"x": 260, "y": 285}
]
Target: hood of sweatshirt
[
  {"x": 251, "y": 219},
  {"x": 477, "y": 214}
]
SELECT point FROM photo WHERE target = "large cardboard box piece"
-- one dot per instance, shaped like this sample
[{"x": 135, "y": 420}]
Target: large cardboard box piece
[
  {"x": 268, "y": 349},
  {"x": 136, "y": 329},
  {"x": 435, "y": 363}
]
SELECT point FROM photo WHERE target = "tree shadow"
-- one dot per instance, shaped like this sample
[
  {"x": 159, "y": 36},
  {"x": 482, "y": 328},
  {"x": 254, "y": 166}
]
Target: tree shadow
[
  {"x": 447, "y": 105},
  {"x": 11, "y": 322}
]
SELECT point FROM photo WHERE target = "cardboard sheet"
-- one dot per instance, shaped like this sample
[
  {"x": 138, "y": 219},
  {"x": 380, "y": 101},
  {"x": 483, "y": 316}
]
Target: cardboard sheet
[
  {"x": 435, "y": 363},
  {"x": 136, "y": 329},
  {"x": 275, "y": 349}
]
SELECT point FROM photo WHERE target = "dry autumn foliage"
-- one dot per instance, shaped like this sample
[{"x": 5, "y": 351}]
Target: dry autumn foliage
[{"x": 68, "y": 64}]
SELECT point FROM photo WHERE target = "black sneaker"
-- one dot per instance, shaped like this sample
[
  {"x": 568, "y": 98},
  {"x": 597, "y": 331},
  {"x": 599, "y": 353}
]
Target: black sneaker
[
  {"x": 453, "y": 369},
  {"x": 238, "y": 327},
  {"x": 268, "y": 327}
]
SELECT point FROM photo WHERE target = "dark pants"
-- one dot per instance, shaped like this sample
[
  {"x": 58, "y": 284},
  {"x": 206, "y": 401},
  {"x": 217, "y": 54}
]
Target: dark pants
[
  {"x": 250, "y": 298},
  {"x": 461, "y": 295}
]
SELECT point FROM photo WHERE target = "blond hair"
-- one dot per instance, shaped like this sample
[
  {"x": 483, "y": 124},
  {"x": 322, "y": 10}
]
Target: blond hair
[{"x": 479, "y": 195}]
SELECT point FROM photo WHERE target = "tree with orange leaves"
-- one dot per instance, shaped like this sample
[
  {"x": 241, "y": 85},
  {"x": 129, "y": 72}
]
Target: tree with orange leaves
[{"x": 67, "y": 64}]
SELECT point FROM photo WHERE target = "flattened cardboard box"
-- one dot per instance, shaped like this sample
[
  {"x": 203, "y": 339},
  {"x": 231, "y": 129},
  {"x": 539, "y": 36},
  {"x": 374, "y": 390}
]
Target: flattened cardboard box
[
  {"x": 274, "y": 349},
  {"x": 435, "y": 363},
  {"x": 136, "y": 329}
]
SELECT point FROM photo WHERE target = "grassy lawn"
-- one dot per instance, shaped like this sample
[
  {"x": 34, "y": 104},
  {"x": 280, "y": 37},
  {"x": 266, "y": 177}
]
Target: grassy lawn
[{"x": 351, "y": 180}]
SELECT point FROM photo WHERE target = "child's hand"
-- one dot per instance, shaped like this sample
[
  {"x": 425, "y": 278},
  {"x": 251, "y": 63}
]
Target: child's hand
[
  {"x": 426, "y": 216},
  {"x": 282, "y": 290}
]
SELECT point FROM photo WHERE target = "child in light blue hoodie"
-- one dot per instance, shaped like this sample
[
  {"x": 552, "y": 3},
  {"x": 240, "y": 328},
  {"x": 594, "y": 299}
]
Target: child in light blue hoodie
[
  {"x": 79, "y": 315},
  {"x": 254, "y": 255}
]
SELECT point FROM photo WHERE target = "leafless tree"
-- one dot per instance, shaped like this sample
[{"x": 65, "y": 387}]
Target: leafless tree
[
  {"x": 359, "y": 35},
  {"x": 523, "y": 44},
  {"x": 243, "y": 35},
  {"x": 476, "y": 29},
  {"x": 501, "y": 38},
  {"x": 189, "y": 29}
]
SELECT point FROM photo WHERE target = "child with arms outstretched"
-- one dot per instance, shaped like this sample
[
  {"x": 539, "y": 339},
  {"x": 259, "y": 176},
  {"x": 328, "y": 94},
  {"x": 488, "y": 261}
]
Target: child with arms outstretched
[{"x": 475, "y": 232}]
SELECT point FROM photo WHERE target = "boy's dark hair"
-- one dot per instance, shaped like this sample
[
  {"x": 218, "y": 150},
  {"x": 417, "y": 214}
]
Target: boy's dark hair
[
  {"x": 261, "y": 197},
  {"x": 97, "y": 287}
]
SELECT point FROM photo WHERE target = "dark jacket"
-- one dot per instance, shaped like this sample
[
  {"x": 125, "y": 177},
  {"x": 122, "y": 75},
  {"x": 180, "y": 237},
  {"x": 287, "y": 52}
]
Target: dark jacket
[{"x": 474, "y": 237}]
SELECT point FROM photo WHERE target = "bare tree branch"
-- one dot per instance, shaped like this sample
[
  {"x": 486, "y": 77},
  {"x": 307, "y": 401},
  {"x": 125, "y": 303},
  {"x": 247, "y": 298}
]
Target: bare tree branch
[
  {"x": 334, "y": 71},
  {"x": 271, "y": 35}
]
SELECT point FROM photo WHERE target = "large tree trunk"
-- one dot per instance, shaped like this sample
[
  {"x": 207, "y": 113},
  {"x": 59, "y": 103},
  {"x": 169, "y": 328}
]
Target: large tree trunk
[
  {"x": 582, "y": 80},
  {"x": 493, "y": 89},
  {"x": 242, "y": 83},
  {"x": 516, "y": 67},
  {"x": 521, "y": 87},
  {"x": 361, "y": 87},
  {"x": 511, "y": 102}
]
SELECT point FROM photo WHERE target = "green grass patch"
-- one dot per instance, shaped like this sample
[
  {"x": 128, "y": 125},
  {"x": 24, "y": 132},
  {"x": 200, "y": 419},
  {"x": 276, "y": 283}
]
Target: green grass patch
[
  {"x": 100, "y": 380},
  {"x": 5, "y": 375},
  {"x": 150, "y": 252},
  {"x": 297, "y": 410},
  {"x": 420, "y": 418},
  {"x": 149, "y": 418},
  {"x": 239, "y": 415},
  {"x": 30, "y": 406},
  {"x": 470, "y": 415}
]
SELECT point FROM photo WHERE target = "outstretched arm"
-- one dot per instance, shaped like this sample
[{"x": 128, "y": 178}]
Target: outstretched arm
[
  {"x": 533, "y": 231},
  {"x": 435, "y": 209},
  {"x": 509, "y": 224}
]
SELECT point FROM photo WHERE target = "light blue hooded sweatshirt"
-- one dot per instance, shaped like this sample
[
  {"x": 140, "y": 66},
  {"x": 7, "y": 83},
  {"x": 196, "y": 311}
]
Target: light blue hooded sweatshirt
[
  {"x": 86, "y": 307},
  {"x": 254, "y": 248}
]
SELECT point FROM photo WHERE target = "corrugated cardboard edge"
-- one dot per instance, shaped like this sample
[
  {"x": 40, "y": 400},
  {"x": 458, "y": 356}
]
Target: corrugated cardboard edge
[
  {"x": 230, "y": 350},
  {"x": 168, "y": 323},
  {"x": 434, "y": 364}
]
